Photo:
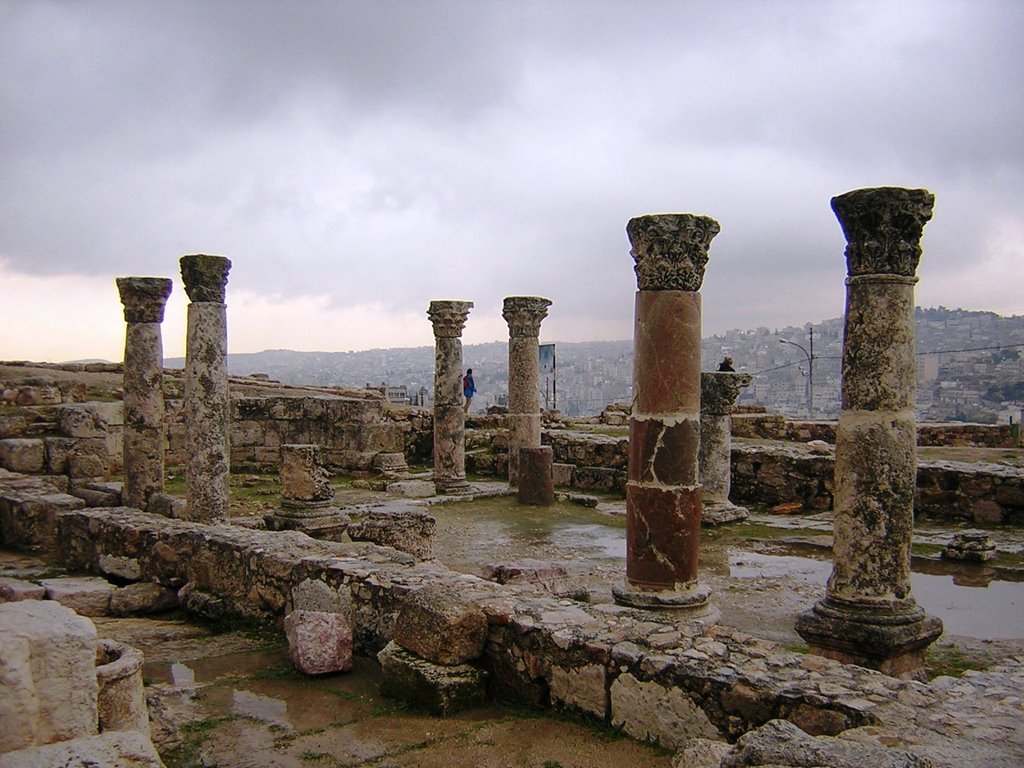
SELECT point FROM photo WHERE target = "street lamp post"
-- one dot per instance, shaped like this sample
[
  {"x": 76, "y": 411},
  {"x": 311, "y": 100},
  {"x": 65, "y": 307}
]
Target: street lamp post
[{"x": 810, "y": 370}]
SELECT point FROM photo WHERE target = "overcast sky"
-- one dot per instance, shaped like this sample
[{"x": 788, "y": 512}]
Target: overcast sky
[{"x": 356, "y": 160}]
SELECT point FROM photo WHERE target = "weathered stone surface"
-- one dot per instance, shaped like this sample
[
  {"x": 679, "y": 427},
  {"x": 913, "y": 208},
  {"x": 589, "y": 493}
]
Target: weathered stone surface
[
  {"x": 303, "y": 476},
  {"x": 26, "y": 454},
  {"x": 319, "y": 642},
  {"x": 524, "y": 315},
  {"x": 670, "y": 250},
  {"x": 408, "y": 529},
  {"x": 648, "y": 710},
  {"x": 168, "y": 506},
  {"x": 122, "y": 567},
  {"x": 780, "y": 743},
  {"x": 883, "y": 228},
  {"x": 700, "y": 753},
  {"x": 535, "y": 480},
  {"x": 550, "y": 577},
  {"x": 448, "y": 319},
  {"x": 121, "y": 702},
  {"x": 581, "y": 688},
  {"x": 207, "y": 403},
  {"x": 81, "y": 421},
  {"x": 13, "y": 590},
  {"x": 970, "y": 546},
  {"x": 141, "y": 598},
  {"x": 437, "y": 688},
  {"x": 117, "y": 749},
  {"x": 143, "y": 440},
  {"x": 438, "y": 624},
  {"x": 86, "y": 595},
  {"x": 317, "y": 595},
  {"x": 48, "y": 669}
]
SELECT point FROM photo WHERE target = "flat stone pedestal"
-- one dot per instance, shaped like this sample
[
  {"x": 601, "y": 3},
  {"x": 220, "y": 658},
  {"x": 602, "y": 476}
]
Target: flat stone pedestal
[
  {"x": 536, "y": 483},
  {"x": 318, "y": 520},
  {"x": 892, "y": 643}
]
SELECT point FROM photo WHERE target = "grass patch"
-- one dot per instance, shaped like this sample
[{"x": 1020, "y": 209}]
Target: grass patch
[
  {"x": 316, "y": 758},
  {"x": 386, "y": 709},
  {"x": 952, "y": 661},
  {"x": 343, "y": 695}
]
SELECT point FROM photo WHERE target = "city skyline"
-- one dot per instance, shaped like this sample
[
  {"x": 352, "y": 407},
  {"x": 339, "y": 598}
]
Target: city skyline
[{"x": 357, "y": 160}]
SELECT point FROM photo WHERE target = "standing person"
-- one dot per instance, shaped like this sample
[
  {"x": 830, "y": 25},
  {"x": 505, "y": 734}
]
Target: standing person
[
  {"x": 468, "y": 388},
  {"x": 726, "y": 365}
]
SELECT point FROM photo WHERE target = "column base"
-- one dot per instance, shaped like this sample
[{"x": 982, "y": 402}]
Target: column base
[
  {"x": 452, "y": 486},
  {"x": 693, "y": 601},
  {"x": 890, "y": 642},
  {"x": 328, "y": 523},
  {"x": 720, "y": 512}
]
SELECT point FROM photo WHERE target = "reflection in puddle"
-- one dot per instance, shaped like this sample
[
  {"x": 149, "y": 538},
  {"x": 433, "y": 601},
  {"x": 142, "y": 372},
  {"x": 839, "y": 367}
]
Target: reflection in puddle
[
  {"x": 263, "y": 708},
  {"x": 949, "y": 591}
]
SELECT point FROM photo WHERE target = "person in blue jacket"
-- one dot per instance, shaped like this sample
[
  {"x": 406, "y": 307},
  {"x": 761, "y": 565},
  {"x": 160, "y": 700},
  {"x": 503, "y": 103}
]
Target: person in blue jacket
[{"x": 468, "y": 388}]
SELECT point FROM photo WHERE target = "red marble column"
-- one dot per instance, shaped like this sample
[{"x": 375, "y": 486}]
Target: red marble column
[{"x": 663, "y": 492}]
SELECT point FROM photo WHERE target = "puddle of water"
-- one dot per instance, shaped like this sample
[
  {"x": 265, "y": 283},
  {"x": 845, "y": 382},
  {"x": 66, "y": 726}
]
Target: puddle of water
[{"x": 970, "y": 599}]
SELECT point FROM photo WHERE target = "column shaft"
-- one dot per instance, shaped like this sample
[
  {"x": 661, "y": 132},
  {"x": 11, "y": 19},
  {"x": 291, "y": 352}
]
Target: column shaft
[
  {"x": 524, "y": 315},
  {"x": 449, "y": 318},
  {"x": 144, "y": 299},
  {"x": 719, "y": 391},
  {"x": 207, "y": 403},
  {"x": 663, "y": 493}
]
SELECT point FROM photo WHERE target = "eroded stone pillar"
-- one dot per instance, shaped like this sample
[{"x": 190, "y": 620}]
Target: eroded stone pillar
[
  {"x": 523, "y": 315},
  {"x": 868, "y": 616},
  {"x": 663, "y": 494},
  {"x": 718, "y": 393},
  {"x": 449, "y": 318},
  {"x": 206, "y": 387},
  {"x": 307, "y": 495},
  {"x": 144, "y": 299}
]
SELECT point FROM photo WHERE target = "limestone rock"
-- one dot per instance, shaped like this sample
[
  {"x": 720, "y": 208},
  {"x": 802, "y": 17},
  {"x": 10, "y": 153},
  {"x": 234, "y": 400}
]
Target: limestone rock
[
  {"x": 23, "y": 454},
  {"x": 675, "y": 719},
  {"x": 121, "y": 702},
  {"x": 700, "y": 753},
  {"x": 319, "y": 642},
  {"x": 48, "y": 669},
  {"x": 116, "y": 749},
  {"x": 81, "y": 421},
  {"x": 87, "y": 596},
  {"x": 781, "y": 743},
  {"x": 437, "y": 624},
  {"x": 144, "y": 597},
  {"x": 12, "y": 590},
  {"x": 408, "y": 529},
  {"x": 440, "y": 689}
]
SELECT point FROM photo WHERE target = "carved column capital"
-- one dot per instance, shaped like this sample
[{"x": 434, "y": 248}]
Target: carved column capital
[
  {"x": 883, "y": 227},
  {"x": 670, "y": 250},
  {"x": 524, "y": 315},
  {"x": 449, "y": 317},
  {"x": 205, "y": 277},
  {"x": 719, "y": 390},
  {"x": 144, "y": 298}
]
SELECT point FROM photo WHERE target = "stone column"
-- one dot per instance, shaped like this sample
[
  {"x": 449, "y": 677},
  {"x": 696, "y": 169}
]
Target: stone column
[
  {"x": 206, "y": 387},
  {"x": 523, "y": 315},
  {"x": 868, "y": 616},
  {"x": 144, "y": 299},
  {"x": 663, "y": 494},
  {"x": 307, "y": 495},
  {"x": 718, "y": 392},
  {"x": 449, "y": 318}
]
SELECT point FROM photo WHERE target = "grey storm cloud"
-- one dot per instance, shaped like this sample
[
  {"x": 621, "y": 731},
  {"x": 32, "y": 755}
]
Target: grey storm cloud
[{"x": 414, "y": 150}]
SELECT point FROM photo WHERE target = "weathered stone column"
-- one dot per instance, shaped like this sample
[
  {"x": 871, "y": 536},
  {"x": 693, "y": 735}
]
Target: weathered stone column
[
  {"x": 718, "y": 392},
  {"x": 868, "y": 616},
  {"x": 663, "y": 494},
  {"x": 206, "y": 387},
  {"x": 449, "y": 318},
  {"x": 523, "y": 315},
  {"x": 144, "y": 299},
  {"x": 306, "y": 495}
]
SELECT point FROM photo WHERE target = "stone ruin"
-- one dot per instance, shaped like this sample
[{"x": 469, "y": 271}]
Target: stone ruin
[{"x": 445, "y": 641}]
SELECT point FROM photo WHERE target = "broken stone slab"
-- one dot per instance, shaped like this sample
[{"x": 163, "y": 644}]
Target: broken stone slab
[
  {"x": 142, "y": 598},
  {"x": 48, "y": 668},
  {"x": 440, "y": 689},
  {"x": 970, "y": 546},
  {"x": 436, "y": 623},
  {"x": 13, "y": 590},
  {"x": 319, "y": 642},
  {"x": 780, "y": 743},
  {"x": 168, "y": 506},
  {"x": 550, "y": 577},
  {"x": 85, "y": 595},
  {"x": 407, "y": 528},
  {"x": 29, "y": 520},
  {"x": 700, "y": 753},
  {"x": 412, "y": 489},
  {"x": 390, "y": 463},
  {"x": 116, "y": 749},
  {"x": 713, "y": 514},
  {"x": 81, "y": 421},
  {"x": 98, "y": 494}
]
